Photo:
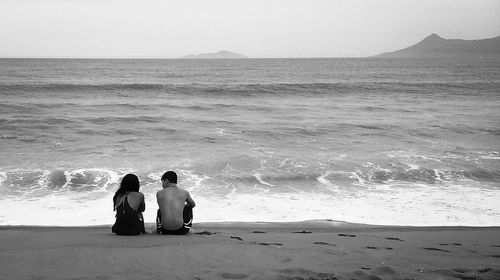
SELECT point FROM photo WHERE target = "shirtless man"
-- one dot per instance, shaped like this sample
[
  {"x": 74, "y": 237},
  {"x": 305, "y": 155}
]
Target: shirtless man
[{"x": 175, "y": 215}]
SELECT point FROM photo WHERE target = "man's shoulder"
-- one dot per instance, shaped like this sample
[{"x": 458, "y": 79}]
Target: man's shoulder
[
  {"x": 183, "y": 190},
  {"x": 159, "y": 192}
]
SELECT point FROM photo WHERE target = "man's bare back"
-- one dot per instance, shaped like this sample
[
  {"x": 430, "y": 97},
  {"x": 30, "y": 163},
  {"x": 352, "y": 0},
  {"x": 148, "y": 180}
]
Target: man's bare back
[{"x": 172, "y": 200}]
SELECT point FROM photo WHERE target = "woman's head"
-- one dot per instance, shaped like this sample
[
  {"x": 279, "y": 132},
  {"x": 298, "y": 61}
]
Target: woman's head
[{"x": 130, "y": 183}]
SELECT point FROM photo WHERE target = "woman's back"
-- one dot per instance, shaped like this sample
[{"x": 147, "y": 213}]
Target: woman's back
[
  {"x": 135, "y": 200},
  {"x": 129, "y": 220}
]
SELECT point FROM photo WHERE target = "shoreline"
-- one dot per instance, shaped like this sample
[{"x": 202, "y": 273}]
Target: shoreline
[
  {"x": 302, "y": 250},
  {"x": 310, "y": 224}
]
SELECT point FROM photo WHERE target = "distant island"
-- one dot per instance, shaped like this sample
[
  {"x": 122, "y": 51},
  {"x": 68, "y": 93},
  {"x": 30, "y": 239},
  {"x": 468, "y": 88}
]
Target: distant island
[
  {"x": 435, "y": 46},
  {"x": 220, "y": 54}
]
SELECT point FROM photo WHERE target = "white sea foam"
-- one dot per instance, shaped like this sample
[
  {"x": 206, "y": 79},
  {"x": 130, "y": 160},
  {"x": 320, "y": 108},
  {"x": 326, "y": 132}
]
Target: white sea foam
[
  {"x": 58, "y": 210},
  {"x": 491, "y": 157},
  {"x": 322, "y": 179},
  {"x": 3, "y": 177},
  {"x": 222, "y": 131},
  {"x": 355, "y": 175},
  {"x": 386, "y": 204},
  {"x": 458, "y": 205},
  {"x": 258, "y": 176}
]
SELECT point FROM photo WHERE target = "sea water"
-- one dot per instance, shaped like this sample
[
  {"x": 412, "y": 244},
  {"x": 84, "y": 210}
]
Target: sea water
[{"x": 365, "y": 140}]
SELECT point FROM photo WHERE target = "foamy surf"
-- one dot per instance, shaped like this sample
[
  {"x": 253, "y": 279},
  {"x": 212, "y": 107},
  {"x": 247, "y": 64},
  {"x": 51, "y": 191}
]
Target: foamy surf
[{"x": 83, "y": 197}]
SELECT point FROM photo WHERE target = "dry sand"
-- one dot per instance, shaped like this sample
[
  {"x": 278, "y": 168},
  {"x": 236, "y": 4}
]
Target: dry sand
[{"x": 309, "y": 250}]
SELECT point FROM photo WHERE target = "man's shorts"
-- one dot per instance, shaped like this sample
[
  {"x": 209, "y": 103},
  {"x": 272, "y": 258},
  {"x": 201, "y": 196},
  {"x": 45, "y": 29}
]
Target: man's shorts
[{"x": 188, "y": 222}]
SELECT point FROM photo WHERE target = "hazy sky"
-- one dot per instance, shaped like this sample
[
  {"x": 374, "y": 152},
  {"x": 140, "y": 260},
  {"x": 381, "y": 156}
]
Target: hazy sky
[{"x": 256, "y": 28}]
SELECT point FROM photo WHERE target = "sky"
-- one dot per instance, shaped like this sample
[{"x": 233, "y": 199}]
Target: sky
[{"x": 255, "y": 28}]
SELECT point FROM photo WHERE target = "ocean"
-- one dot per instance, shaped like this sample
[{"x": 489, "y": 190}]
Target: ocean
[{"x": 362, "y": 140}]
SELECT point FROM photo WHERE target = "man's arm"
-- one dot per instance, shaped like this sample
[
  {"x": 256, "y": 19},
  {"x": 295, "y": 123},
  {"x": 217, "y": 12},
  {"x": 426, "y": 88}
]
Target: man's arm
[
  {"x": 189, "y": 200},
  {"x": 158, "y": 198}
]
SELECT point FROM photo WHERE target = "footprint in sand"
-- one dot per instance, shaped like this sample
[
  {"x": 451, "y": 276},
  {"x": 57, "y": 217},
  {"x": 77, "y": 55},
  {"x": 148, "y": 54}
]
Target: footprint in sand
[
  {"x": 346, "y": 235},
  {"x": 267, "y": 243},
  {"x": 205, "y": 233},
  {"x": 447, "y": 244},
  {"x": 435, "y": 249},
  {"x": 236, "y": 237},
  {"x": 376, "y": 248},
  {"x": 305, "y": 232},
  {"x": 324, "y": 243},
  {"x": 394, "y": 238},
  {"x": 227, "y": 275}
]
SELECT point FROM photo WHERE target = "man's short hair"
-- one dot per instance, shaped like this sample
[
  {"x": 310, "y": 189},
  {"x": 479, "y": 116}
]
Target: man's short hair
[{"x": 170, "y": 176}]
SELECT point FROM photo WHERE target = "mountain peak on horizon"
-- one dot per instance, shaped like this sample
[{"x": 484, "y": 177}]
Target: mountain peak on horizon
[
  {"x": 219, "y": 54},
  {"x": 435, "y": 46},
  {"x": 434, "y": 36}
]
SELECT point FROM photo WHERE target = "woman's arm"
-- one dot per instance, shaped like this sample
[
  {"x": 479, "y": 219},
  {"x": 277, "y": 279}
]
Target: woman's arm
[{"x": 142, "y": 205}]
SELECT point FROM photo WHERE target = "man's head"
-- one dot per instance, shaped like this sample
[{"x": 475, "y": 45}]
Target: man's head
[{"x": 169, "y": 177}]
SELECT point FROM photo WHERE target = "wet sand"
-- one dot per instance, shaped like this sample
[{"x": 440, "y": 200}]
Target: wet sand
[{"x": 306, "y": 250}]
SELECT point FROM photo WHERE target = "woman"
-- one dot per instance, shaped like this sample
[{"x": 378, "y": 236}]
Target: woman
[{"x": 129, "y": 204}]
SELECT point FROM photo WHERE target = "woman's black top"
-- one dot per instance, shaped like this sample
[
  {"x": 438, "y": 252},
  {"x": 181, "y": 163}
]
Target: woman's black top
[{"x": 128, "y": 220}]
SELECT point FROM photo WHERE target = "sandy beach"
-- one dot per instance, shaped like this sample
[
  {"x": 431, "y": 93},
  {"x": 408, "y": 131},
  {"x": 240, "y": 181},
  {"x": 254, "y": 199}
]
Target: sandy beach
[{"x": 307, "y": 250}]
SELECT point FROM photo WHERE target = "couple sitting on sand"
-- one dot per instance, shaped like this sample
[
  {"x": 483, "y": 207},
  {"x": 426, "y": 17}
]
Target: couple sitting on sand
[{"x": 175, "y": 215}]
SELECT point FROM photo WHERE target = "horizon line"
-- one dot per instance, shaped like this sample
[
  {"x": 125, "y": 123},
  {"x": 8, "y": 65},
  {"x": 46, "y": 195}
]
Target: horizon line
[{"x": 182, "y": 58}]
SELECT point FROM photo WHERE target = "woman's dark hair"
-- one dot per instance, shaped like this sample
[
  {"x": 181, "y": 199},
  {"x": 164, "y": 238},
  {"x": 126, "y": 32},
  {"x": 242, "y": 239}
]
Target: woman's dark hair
[{"x": 130, "y": 183}]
